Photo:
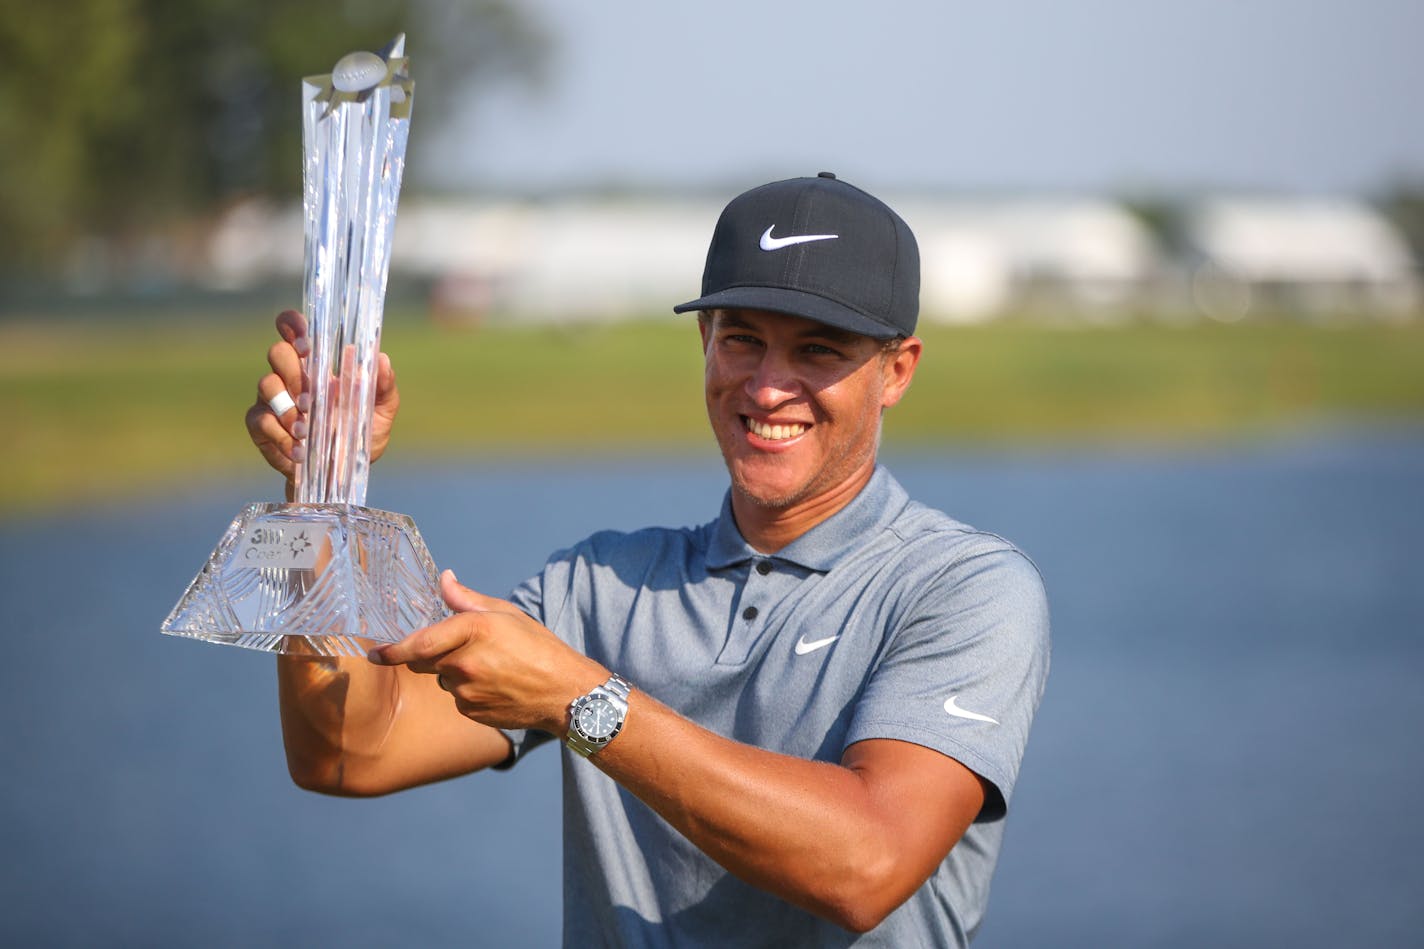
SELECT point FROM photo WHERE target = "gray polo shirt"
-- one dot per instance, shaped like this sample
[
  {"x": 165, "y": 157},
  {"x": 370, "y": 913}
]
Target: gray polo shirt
[{"x": 888, "y": 620}]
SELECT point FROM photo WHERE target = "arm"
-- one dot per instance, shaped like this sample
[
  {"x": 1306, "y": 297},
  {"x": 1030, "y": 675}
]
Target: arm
[
  {"x": 354, "y": 729},
  {"x": 848, "y": 841},
  {"x": 349, "y": 727}
]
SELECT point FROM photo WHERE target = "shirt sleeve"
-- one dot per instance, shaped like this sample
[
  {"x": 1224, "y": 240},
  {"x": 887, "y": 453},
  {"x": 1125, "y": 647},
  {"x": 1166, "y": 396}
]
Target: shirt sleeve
[
  {"x": 965, "y": 668},
  {"x": 534, "y": 596}
]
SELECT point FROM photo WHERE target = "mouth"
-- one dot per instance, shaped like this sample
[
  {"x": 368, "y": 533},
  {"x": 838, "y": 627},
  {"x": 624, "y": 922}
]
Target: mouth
[{"x": 779, "y": 432}]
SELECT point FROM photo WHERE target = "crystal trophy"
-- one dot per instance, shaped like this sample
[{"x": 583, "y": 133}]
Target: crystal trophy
[{"x": 319, "y": 575}]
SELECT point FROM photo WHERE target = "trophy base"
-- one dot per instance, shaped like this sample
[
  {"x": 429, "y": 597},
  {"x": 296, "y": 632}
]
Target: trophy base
[{"x": 312, "y": 579}]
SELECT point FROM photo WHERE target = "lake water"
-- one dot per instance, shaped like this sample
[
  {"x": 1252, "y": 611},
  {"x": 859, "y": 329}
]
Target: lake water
[{"x": 1229, "y": 752}]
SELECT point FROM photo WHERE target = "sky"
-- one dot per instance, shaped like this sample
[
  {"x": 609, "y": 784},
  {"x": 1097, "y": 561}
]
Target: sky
[{"x": 1098, "y": 96}]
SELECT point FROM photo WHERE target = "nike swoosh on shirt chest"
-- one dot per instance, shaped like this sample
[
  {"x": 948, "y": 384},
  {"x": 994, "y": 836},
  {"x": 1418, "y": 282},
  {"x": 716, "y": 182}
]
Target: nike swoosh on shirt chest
[{"x": 803, "y": 647}]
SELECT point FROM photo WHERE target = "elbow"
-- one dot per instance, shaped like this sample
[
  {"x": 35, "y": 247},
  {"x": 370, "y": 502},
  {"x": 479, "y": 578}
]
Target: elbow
[
  {"x": 316, "y": 780},
  {"x": 864, "y": 897},
  {"x": 311, "y": 771},
  {"x": 859, "y": 917},
  {"x": 331, "y": 778},
  {"x": 857, "y": 920}
]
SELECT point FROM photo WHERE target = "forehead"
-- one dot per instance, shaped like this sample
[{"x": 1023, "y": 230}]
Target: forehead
[{"x": 796, "y": 326}]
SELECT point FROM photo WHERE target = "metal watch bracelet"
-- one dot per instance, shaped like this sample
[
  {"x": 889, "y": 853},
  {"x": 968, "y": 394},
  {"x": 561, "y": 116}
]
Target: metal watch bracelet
[{"x": 597, "y": 717}]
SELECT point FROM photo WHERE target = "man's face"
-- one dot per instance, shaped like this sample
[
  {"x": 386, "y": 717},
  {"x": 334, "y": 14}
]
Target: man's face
[{"x": 796, "y": 404}]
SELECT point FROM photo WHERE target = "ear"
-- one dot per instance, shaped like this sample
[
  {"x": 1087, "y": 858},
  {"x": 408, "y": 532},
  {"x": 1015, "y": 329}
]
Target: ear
[{"x": 899, "y": 369}]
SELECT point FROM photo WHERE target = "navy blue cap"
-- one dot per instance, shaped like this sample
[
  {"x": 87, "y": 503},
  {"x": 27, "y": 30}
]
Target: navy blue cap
[{"x": 814, "y": 247}]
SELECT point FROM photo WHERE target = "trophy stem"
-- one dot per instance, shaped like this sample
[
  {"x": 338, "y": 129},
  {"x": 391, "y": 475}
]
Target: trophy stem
[
  {"x": 319, "y": 576},
  {"x": 355, "y": 143}
]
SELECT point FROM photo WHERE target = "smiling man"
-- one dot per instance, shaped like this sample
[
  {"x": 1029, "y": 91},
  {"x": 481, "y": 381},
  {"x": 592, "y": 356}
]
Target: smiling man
[{"x": 796, "y": 725}]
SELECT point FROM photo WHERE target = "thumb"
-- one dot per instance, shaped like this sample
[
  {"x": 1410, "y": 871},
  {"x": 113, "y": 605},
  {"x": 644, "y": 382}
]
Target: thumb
[
  {"x": 462, "y": 599},
  {"x": 385, "y": 377}
]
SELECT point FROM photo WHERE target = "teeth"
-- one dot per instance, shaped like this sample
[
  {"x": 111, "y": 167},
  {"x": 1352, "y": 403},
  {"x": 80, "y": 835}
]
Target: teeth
[{"x": 775, "y": 432}]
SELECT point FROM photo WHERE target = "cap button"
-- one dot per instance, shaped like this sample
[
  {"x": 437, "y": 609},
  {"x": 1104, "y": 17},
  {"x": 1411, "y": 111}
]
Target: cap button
[{"x": 826, "y": 174}]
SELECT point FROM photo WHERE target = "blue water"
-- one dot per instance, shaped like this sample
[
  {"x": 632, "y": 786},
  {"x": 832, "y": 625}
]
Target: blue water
[{"x": 1229, "y": 753}]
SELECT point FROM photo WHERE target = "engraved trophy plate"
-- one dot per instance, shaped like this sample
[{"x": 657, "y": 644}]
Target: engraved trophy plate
[{"x": 317, "y": 576}]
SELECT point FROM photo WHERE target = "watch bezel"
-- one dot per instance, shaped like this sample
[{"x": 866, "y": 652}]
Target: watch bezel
[
  {"x": 581, "y": 741},
  {"x": 594, "y": 701}
]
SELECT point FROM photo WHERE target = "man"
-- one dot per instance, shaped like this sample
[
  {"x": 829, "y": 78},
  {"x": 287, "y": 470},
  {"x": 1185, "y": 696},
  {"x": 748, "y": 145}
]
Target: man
[{"x": 799, "y": 724}]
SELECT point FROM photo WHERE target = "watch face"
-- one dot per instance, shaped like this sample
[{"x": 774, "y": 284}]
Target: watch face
[{"x": 598, "y": 719}]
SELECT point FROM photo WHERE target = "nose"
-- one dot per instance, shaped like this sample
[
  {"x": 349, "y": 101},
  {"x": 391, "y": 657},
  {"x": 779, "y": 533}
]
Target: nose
[{"x": 772, "y": 382}]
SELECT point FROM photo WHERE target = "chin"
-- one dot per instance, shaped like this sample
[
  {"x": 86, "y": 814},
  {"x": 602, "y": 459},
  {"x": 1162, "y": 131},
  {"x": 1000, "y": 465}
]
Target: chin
[{"x": 764, "y": 493}]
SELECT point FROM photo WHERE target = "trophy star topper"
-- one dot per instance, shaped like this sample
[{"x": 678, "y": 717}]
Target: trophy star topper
[{"x": 325, "y": 574}]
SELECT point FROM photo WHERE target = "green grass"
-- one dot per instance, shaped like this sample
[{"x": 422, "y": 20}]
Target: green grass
[{"x": 102, "y": 410}]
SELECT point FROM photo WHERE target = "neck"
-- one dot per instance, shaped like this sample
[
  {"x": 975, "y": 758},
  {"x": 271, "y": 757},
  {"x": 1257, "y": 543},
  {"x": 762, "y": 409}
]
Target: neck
[{"x": 768, "y": 528}]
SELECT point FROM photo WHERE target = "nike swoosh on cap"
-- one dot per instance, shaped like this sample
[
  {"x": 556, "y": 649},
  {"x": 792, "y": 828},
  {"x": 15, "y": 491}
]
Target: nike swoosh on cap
[
  {"x": 803, "y": 647},
  {"x": 951, "y": 706},
  {"x": 776, "y": 243}
]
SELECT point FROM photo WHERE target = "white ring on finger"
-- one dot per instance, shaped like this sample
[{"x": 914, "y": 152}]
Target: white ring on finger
[{"x": 281, "y": 403}]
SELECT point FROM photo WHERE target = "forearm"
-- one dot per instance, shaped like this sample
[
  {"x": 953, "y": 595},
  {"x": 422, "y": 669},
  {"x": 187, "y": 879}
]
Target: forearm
[
  {"x": 817, "y": 834},
  {"x": 357, "y": 729},
  {"x": 337, "y": 714}
]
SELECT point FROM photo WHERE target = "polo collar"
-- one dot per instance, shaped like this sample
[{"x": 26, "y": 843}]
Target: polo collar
[{"x": 878, "y": 503}]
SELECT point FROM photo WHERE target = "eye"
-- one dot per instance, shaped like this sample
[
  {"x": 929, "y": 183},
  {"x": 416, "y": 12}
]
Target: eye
[
  {"x": 741, "y": 339},
  {"x": 821, "y": 349}
]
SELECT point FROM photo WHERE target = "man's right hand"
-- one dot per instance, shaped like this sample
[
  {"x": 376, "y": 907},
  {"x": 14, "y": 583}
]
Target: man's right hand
[{"x": 279, "y": 438}]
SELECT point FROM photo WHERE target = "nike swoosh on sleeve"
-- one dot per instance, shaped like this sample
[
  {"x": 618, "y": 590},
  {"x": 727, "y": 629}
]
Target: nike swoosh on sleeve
[{"x": 951, "y": 706}]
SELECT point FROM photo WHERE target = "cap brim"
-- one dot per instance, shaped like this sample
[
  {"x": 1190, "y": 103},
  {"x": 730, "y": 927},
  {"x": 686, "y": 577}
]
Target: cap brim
[{"x": 792, "y": 303}]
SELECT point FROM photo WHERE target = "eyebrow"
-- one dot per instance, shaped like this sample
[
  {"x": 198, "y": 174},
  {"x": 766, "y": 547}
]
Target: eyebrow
[
  {"x": 840, "y": 336},
  {"x": 818, "y": 331}
]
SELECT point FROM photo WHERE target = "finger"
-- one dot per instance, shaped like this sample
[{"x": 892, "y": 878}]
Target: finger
[
  {"x": 348, "y": 359},
  {"x": 423, "y": 645},
  {"x": 292, "y": 327},
  {"x": 287, "y": 366},
  {"x": 427, "y": 667},
  {"x": 265, "y": 430},
  {"x": 272, "y": 392},
  {"x": 385, "y": 381},
  {"x": 286, "y": 357},
  {"x": 271, "y": 439},
  {"x": 386, "y": 407},
  {"x": 462, "y": 599}
]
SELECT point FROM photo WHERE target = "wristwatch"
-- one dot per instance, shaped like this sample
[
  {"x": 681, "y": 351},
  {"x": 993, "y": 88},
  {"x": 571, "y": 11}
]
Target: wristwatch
[{"x": 595, "y": 718}]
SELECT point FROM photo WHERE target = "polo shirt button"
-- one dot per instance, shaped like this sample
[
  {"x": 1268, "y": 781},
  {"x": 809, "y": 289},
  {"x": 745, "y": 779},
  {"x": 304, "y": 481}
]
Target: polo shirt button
[
  {"x": 764, "y": 567},
  {"x": 749, "y": 613}
]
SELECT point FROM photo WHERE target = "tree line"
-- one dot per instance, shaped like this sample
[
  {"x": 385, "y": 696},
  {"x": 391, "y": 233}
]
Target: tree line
[{"x": 119, "y": 117}]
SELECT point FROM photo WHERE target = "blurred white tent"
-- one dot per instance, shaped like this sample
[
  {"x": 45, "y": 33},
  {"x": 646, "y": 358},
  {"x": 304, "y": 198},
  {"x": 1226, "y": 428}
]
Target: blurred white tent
[
  {"x": 1081, "y": 257},
  {"x": 569, "y": 260},
  {"x": 1304, "y": 255},
  {"x": 253, "y": 241}
]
